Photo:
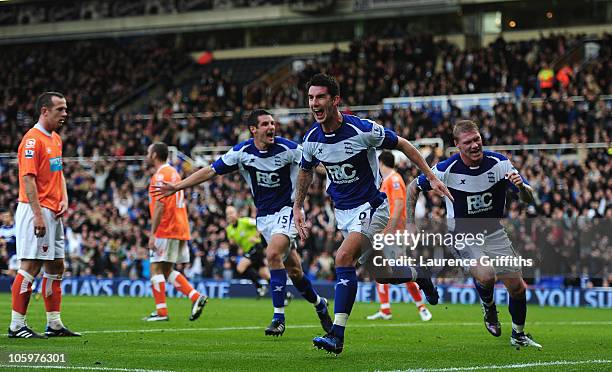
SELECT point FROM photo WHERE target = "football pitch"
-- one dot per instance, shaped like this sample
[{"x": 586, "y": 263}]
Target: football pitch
[{"x": 230, "y": 336}]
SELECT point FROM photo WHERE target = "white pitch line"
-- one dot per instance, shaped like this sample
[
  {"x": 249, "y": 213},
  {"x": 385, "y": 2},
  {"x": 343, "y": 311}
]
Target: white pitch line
[
  {"x": 305, "y": 326},
  {"x": 510, "y": 366},
  {"x": 84, "y": 368},
  {"x": 298, "y": 326}
]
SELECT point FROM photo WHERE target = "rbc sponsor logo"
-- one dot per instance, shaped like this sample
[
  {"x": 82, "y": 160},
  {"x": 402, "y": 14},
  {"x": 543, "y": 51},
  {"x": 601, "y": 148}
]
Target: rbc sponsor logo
[
  {"x": 479, "y": 203},
  {"x": 266, "y": 179},
  {"x": 342, "y": 173}
]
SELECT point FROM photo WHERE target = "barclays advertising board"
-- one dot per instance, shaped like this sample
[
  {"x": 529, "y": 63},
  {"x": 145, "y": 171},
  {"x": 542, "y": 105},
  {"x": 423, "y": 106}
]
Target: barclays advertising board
[{"x": 556, "y": 297}]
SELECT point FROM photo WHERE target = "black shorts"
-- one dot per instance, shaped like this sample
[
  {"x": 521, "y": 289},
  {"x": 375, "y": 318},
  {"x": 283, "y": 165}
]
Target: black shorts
[{"x": 257, "y": 255}]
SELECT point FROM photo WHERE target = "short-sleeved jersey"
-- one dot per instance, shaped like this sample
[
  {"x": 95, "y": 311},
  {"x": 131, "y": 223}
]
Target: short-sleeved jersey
[
  {"x": 479, "y": 192},
  {"x": 349, "y": 157},
  {"x": 242, "y": 233},
  {"x": 271, "y": 174},
  {"x": 174, "y": 223},
  {"x": 40, "y": 154},
  {"x": 395, "y": 188}
]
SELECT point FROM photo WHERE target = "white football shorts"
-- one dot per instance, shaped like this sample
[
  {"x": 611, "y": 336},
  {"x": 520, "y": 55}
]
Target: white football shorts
[
  {"x": 280, "y": 222},
  {"x": 29, "y": 246},
  {"x": 363, "y": 219},
  {"x": 170, "y": 250}
]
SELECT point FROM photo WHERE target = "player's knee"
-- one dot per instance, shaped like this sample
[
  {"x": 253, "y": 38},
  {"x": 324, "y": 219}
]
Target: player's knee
[
  {"x": 273, "y": 255},
  {"x": 344, "y": 258},
  {"x": 274, "y": 258},
  {"x": 485, "y": 278},
  {"x": 156, "y": 269},
  {"x": 516, "y": 288},
  {"x": 55, "y": 267},
  {"x": 32, "y": 267},
  {"x": 295, "y": 273},
  {"x": 243, "y": 265}
]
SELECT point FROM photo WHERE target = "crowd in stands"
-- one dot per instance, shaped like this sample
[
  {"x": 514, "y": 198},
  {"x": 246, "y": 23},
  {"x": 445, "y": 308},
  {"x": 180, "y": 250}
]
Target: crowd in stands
[
  {"x": 419, "y": 66},
  {"x": 108, "y": 221},
  {"x": 24, "y": 13},
  {"x": 92, "y": 74}
]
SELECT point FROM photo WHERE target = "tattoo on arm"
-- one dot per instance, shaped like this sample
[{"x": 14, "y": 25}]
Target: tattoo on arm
[{"x": 303, "y": 182}]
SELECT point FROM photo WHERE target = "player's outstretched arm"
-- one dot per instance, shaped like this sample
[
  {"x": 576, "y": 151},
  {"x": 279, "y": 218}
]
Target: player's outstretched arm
[
  {"x": 167, "y": 188},
  {"x": 415, "y": 156},
  {"x": 304, "y": 180}
]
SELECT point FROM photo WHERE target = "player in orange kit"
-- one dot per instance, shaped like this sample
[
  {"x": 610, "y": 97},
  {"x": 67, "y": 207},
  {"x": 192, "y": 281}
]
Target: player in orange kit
[
  {"x": 43, "y": 200},
  {"x": 393, "y": 185},
  {"x": 168, "y": 238}
]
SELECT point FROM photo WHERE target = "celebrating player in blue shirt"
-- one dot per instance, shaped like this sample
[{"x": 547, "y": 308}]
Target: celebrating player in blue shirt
[
  {"x": 478, "y": 181},
  {"x": 346, "y": 146},
  {"x": 269, "y": 165}
]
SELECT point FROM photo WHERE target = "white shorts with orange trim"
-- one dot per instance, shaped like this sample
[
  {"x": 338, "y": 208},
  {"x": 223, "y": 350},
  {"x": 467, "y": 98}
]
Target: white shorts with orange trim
[
  {"x": 170, "y": 250},
  {"x": 29, "y": 246}
]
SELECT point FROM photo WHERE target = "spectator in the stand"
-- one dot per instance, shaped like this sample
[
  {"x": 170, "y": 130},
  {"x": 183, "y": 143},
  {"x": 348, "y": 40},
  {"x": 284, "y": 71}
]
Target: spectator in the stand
[
  {"x": 546, "y": 78},
  {"x": 7, "y": 230},
  {"x": 564, "y": 76}
]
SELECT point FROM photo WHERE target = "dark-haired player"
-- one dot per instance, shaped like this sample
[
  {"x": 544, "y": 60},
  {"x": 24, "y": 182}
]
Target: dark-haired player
[
  {"x": 43, "y": 200},
  {"x": 269, "y": 165},
  {"x": 346, "y": 146}
]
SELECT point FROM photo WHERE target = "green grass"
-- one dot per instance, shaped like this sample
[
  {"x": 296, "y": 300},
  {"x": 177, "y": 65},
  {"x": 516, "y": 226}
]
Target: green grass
[{"x": 454, "y": 338}]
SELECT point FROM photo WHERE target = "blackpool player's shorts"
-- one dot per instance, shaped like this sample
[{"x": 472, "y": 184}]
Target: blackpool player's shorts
[
  {"x": 29, "y": 246},
  {"x": 495, "y": 245},
  {"x": 280, "y": 222},
  {"x": 170, "y": 250}
]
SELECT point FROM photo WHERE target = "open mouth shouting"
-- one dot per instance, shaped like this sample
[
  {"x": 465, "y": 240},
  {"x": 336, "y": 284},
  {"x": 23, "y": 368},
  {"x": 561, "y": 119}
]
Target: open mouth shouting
[
  {"x": 270, "y": 135},
  {"x": 318, "y": 113}
]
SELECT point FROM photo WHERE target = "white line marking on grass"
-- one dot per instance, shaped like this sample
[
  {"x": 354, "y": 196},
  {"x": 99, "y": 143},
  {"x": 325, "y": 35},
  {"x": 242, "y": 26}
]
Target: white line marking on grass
[
  {"x": 510, "y": 366},
  {"x": 372, "y": 325},
  {"x": 84, "y": 368},
  {"x": 306, "y": 326}
]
